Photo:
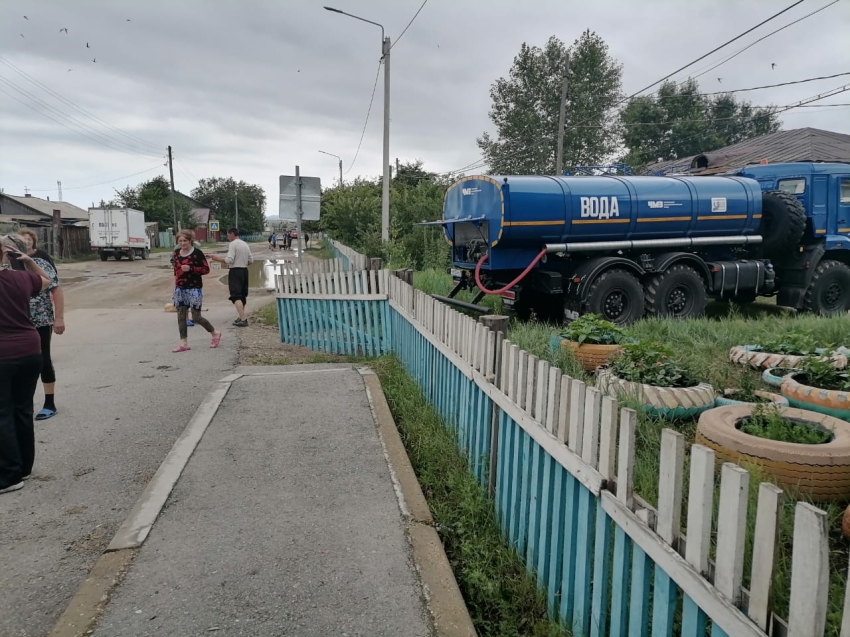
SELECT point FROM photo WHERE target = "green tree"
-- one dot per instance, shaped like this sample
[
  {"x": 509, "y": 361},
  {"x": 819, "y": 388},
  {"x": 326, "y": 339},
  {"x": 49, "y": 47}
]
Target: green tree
[
  {"x": 526, "y": 107},
  {"x": 153, "y": 197},
  {"x": 221, "y": 194},
  {"x": 679, "y": 121}
]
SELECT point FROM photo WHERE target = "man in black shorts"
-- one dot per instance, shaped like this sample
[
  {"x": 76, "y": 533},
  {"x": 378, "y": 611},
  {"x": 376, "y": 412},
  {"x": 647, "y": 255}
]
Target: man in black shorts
[{"x": 238, "y": 259}]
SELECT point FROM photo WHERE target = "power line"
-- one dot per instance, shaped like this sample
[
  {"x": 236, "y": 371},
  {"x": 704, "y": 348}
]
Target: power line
[
  {"x": 368, "y": 112},
  {"x": 725, "y": 44},
  {"x": 422, "y": 6},
  {"x": 79, "y": 109},
  {"x": 744, "y": 90},
  {"x": 102, "y": 183},
  {"x": 737, "y": 53}
]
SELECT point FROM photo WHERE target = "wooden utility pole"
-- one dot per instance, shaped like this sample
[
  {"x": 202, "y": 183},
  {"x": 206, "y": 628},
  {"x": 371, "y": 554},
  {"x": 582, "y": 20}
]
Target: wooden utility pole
[
  {"x": 57, "y": 232},
  {"x": 559, "y": 158},
  {"x": 173, "y": 204}
]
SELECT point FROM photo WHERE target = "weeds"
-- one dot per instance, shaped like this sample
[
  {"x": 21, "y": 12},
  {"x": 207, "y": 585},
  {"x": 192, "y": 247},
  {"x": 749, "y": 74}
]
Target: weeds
[{"x": 768, "y": 422}]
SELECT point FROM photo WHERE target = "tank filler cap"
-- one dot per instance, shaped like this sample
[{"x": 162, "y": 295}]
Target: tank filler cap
[{"x": 505, "y": 180}]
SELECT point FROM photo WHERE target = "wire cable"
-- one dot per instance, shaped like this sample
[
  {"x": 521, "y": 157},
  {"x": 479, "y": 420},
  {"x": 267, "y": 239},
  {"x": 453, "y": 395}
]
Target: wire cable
[
  {"x": 368, "y": 112},
  {"x": 422, "y": 6},
  {"x": 102, "y": 183}
]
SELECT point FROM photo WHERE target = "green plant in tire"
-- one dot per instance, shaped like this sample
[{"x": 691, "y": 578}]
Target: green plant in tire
[
  {"x": 794, "y": 342},
  {"x": 651, "y": 364},
  {"x": 746, "y": 390},
  {"x": 767, "y": 421},
  {"x": 594, "y": 330},
  {"x": 820, "y": 371}
]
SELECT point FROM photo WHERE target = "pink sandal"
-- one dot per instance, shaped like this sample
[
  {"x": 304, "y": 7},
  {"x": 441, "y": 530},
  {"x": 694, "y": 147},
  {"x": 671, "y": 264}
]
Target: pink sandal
[
  {"x": 181, "y": 348},
  {"x": 216, "y": 340}
]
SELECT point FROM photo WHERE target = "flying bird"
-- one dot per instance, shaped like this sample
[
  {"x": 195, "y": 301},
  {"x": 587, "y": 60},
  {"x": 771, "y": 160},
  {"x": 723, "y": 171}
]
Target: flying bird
[
  {"x": 22, "y": 35},
  {"x": 720, "y": 80},
  {"x": 69, "y": 70},
  {"x": 65, "y": 30},
  {"x": 772, "y": 65},
  {"x": 94, "y": 60},
  {"x": 87, "y": 45},
  {"x": 129, "y": 20},
  {"x": 26, "y": 18}
]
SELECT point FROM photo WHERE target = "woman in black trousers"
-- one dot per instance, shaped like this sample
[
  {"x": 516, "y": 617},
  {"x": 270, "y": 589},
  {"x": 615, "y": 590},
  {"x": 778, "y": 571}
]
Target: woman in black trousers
[{"x": 20, "y": 361}]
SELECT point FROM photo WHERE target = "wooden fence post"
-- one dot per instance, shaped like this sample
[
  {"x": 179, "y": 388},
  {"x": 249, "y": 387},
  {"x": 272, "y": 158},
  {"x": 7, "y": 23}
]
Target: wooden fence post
[
  {"x": 375, "y": 263},
  {"x": 499, "y": 325}
]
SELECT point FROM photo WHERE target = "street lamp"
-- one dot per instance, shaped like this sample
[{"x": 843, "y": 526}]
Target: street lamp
[
  {"x": 340, "y": 165},
  {"x": 385, "y": 195}
]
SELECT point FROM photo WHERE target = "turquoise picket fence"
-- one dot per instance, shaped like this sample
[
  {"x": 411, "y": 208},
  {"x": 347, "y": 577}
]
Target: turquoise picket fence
[{"x": 558, "y": 458}]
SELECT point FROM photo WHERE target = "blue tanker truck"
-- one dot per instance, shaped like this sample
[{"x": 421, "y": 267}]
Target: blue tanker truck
[{"x": 626, "y": 247}]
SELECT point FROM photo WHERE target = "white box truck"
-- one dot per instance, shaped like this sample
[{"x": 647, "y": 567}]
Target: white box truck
[{"x": 118, "y": 232}]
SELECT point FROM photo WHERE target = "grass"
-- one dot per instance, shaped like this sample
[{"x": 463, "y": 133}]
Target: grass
[
  {"x": 267, "y": 313},
  {"x": 438, "y": 282},
  {"x": 503, "y": 600}
]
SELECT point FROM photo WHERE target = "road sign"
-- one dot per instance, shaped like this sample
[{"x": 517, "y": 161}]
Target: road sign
[
  {"x": 311, "y": 196},
  {"x": 213, "y": 226}
]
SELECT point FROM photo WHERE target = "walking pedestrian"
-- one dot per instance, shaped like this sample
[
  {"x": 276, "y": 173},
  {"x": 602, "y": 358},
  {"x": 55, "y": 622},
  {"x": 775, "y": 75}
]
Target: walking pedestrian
[
  {"x": 47, "y": 313},
  {"x": 190, "y": 265},
  {"x": 287, "y": 239},
  {"x": 306, "y": 241},
  {"x": 271, "y": 241},
  {"x": 20, "y": 361},
  {"x": 238, "y": 259},
  {"x": 274, "y": 241}
]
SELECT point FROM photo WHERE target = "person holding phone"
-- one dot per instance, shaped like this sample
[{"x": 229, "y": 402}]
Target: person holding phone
[
  {"x": 20, "y": 361},
  {"x": 190, "y": 265}
]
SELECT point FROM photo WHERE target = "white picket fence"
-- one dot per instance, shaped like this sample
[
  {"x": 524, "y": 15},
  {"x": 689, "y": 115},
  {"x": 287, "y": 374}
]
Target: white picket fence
[
  {"x": 559, "y": 459},
  {"x": 352, "y": 259}
]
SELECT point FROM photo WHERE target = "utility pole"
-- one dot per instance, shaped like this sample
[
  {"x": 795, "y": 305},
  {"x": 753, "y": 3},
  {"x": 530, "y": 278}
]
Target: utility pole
[
  {"x": 236, "y": 198},
  {"x": 559, "y": 158},
  {"x": 173, "y": 204},
  {"x": 298, "y": 214},
  {"x": 396, "y": 167},
  {"x": 340, "y": 174},
  {"x": 385, "y": 195},
  {"x": 59, "y": 186}
]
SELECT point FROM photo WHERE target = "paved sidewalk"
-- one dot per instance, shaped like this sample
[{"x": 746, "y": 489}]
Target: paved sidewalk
[{"x": 284, "y": 522}]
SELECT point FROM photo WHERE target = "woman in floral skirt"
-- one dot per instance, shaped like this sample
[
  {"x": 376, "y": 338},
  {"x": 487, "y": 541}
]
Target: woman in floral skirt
[{"x": 190, "y": 265}]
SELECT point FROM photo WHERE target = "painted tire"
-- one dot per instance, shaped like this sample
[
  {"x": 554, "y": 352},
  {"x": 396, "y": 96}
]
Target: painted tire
[
  {"x": 590, "y": 356},
  {"x": 751, "y": 355},
  {"x": 821, "y": 471},
  {"x": 665, "y": 402},
  {"x": 724, "y": 400},
  {"x": 773, "y": 375},
  {"x": 824, "y": 401}
]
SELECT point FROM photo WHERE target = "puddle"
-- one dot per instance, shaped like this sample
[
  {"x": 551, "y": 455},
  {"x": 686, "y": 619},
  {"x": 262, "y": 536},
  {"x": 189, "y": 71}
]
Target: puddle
[
  {"x": 73, "y": 279},
  {"x": 261, "y": 274}
]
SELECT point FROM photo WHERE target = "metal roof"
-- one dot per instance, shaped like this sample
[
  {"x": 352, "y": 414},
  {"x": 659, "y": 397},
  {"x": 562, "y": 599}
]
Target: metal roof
[
  {"x": 800, "y": 144},
  {"x": 46, "y": 207}
]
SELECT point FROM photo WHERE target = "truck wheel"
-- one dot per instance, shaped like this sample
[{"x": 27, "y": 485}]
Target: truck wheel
[
  {"x": 145, "y": 254},
  {"x": 131, "y": 255},
  {"x": 783, "y": 222},
  {"x": 104, "y": 256},
  {"x": 616, "y": 295},
  {"x": 118, "y": 256},
  {"x": 829, "y": 292},
  {"x": 677, "y": 293}
]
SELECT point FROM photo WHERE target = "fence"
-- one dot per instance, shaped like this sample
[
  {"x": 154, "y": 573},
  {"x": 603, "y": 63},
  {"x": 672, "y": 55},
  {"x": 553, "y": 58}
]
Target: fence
[
  {"x": 558, "y": 458},
  {"x": 353, "y": 260},
  {"x": 73, "y": 241}
]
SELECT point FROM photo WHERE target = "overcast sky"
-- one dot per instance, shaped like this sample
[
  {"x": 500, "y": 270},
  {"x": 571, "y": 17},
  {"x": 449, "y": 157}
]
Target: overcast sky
[{"x": 251, "y": 89}]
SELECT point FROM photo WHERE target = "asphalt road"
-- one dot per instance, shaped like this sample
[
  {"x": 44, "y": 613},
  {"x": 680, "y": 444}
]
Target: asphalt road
[{"x": 123, "y": 399}]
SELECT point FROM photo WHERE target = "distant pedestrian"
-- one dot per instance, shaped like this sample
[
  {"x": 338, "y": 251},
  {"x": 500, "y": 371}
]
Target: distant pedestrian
[
  {"x": 271, "y": 241},
  {"x": 20, "y": 361},
  {"x": 306, "y": 241},
  {"x": 190, "y": 265},
  {"x": 287, "y": 239},
  {"x": 238, "y": 259},
  {"x": 47, "y": 313}
]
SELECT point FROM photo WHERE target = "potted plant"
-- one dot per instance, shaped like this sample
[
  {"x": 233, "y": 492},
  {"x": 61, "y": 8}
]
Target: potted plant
[
  {"x": 805, "y": 451},
  {"x": 819, "y": 386},
  {"x": 747, "y": 393},
  {"x": 591, "y": 339},
  {"x": 786, "y": 350},
  {"x": 651, "y": 373}
]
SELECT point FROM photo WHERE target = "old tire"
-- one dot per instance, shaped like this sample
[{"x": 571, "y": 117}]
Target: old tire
[
  {"x": 783, "y": 222},
  {"x": 824, "y": 401},
  {"x": 617, "y": 296},
  {"x": 822, "y": 471},
  {"x": 757, "y": 359},
  {"x": 591, "y": 356},
  {"x": 145, "y": 254},
  {"x": 725, "y": 399},
  {"x": 773, "y": 376},
  {"x": 665, "y": 402},
  {"x": 131, "y": 255},
  {"x": 829, "y": 292},
  {"x": 104, "y": 256},
  {"x": 677, "y": 293}
]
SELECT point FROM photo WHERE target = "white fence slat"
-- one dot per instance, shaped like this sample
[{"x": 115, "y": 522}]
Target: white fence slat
[
  {"x": 530, "y": 382},
  {"x": 553, "y": 400},
  {"x": 373, "y": 281},
  {"x": 809, "y": 572},
  {"x": 626, "y": 456},
  {"x": 845, "y": 617},
  {"x": 608, "y": 438},
  {"x": 513, "y": 372},
  {"x": 578, "y": 392},
  {"x": 672, "y": 464},
  {"x": 542, "y": 391},
  {"x": 503, "y": 370},
  {"x": 700, "y": 508},
  {"x": 563, "y": 426},
  {"x": 590, "y": 429},
  {"x": 490, "y": 345},
  {"x": 764, "y": 553},
  {"x": 521, "y": 378},
  {"x": 731, "y": 531}
]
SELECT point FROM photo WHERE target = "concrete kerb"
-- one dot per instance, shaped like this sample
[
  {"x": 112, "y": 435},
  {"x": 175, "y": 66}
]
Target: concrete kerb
[{"x": 449, "y": 615}]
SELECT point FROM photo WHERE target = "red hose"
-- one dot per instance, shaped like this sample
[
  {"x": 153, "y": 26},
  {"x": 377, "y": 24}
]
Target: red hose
[{"x": 512, "y": 283}]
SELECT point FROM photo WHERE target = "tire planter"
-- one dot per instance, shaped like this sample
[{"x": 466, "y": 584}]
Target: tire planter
[
  {"x": 753, "y": 356},
  {"x": 665, "y": 402},
  {"x": 724, "y": 399},
  {"x": 822, "y": 471},
  {"x": 773, "y": 375},
  {"x": 591, "y": 356},
  {"x": 824, "y": 401}
]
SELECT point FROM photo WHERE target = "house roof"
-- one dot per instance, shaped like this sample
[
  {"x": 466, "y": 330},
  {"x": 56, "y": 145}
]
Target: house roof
[
  {"x": 796, "y": 145},
  {"x": 200, "y": 215},
  {"x": 46, "y": 207}
]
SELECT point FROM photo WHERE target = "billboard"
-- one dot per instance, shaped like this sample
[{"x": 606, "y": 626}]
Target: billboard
[{"x": 311, "y": 196}]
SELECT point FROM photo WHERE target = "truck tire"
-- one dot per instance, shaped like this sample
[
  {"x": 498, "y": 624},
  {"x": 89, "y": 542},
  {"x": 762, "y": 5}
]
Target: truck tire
[
  {"x": 104, "y": 256},
  {"x": 131, "y": 254},
  {"x": 783, "y": 222},
  {"x": 617, "y": 296},
  {"x": 829, "y": 292},
  {"x": 119, "y": 256},
  {"x": 145, "y": 254},
  {"x": 678, "y": 293}
]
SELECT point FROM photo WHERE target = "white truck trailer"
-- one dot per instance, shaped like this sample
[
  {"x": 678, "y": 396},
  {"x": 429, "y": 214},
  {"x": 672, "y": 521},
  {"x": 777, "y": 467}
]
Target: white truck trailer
[{"x": 118, "y": 232}]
